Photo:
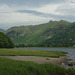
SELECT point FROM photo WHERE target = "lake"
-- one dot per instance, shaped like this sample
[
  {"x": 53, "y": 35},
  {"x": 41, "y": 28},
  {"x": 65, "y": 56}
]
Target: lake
[{"x": 70, "y": 51}]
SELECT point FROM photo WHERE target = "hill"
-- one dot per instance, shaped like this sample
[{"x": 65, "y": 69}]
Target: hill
[
  {"x": 34, "y": 35},
  {"x": 5, "y": 41},
  {"x": 64, "y": 38}
]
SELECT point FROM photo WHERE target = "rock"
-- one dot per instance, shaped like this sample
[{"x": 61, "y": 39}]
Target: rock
[
  {"x": 69, "y": 59},
  {"x": 74, "y": 63},
  {"x": 70, "y": 64},
  {"x": 63, "y": 64},
  {"x": 47, "y": 58}
]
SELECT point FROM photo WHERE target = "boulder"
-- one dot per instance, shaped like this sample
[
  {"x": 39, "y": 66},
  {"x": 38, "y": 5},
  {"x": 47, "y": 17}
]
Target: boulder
[
  {"x": 70, "y": 64},
  {"x": 47, "y": 58},
  {"x": 63, "y": 64}
]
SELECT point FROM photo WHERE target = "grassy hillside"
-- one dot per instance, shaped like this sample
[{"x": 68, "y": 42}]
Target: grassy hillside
[
  {"x": 5, "y": 41},
  {"x": 64, "y": 38},
  {"x": 34, "y": 35}
]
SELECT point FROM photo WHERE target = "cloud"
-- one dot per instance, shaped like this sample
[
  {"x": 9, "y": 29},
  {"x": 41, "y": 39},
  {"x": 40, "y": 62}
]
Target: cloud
[
  {"x": 16, "y": 19},
  {"x": 29, "y": 3},
  {"x": 28, "y": 12},
  {"x": 36, "y": 13},
  {"x": 67, "y": 9}
]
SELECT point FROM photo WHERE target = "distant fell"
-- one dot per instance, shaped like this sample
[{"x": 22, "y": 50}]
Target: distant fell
[{"x": 35, "y": 35}]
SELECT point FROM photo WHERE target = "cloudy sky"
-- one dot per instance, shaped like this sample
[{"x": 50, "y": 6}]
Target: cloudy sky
[{"x": 32, "y": 12}]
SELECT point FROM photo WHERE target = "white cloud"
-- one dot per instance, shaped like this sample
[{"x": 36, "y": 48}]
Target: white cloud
[
  {"x": 16, "y": 17},
  {"x": 67, "y": 8},
  {"x": 5, "y": 8},
  {"x": 50, "y": 8},
  {"x": 9, "y": 18}
]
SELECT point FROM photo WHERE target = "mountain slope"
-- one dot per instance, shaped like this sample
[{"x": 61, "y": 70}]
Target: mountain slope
[
  {"x": 64, "y": 38},
  {"x": 34, "y": 35},
  {"x": 5, "y": 41}
]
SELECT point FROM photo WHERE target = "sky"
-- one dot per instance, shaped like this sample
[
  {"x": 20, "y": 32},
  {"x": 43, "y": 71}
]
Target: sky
[{"x": 33, "y": 12}]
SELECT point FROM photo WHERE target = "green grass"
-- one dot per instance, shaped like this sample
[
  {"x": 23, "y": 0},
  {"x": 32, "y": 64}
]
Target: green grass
[
  {"x": 21, "y": 52},
  {"x": 15, "y": 67}
]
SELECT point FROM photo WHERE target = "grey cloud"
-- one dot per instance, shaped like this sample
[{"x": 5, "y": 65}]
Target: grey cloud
[
  {"x": 32, "y": 12},
  {"x": 66, "y": 11},
  {"x": 68, "y": 14},
  {"x": 72, "y": 2},
  {"x": 32, "y": 3},
  {"x": 56, "y": 17},
  {"x": 36, "y": 13}
]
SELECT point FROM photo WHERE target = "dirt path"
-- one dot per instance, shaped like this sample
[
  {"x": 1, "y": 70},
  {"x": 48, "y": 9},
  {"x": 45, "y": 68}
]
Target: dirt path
[{"x": 39, "y": 60}]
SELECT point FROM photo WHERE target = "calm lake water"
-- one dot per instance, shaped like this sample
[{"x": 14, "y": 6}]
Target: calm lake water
[{"x": 71, "y": 52}]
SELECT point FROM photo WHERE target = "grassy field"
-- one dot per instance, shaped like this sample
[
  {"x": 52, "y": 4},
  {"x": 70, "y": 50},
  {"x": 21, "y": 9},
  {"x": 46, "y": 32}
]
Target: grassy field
[
  {"x": 14, "y": 67},
  {"x": 22, "y": 52}
]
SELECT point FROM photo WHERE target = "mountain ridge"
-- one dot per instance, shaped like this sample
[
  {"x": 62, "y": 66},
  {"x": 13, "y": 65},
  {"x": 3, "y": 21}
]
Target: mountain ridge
[{"x": 34, "y": 35}]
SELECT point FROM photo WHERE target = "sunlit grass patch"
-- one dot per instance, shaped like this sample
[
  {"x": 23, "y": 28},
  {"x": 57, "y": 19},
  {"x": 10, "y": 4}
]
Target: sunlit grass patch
[{"x": 22, "y": 52}]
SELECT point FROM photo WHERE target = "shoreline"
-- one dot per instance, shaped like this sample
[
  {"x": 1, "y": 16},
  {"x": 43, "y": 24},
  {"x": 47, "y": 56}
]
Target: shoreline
[
  {"x": 39, "y": 60},
  {"x": 48, "y": 47}
]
